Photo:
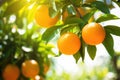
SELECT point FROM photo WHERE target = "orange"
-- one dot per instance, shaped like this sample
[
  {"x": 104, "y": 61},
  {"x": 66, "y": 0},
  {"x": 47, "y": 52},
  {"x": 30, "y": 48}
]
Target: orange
[
  {"x": 69, "y": 43},
  {"x": 11, "y": 72},
  {"x": 66, "y": 14},
  {"x": 93, "y": 33},
  {"x": 39, "y": 77},
  {"x": 30, "y": 68},
  {"x": 43, "y": 18}
]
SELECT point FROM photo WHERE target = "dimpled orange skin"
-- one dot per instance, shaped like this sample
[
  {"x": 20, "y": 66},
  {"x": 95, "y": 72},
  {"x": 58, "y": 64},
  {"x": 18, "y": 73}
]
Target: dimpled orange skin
[
  {"x": 43, "y": 18},
  {"x": 30, "y": 68},
  {"x": 93, "y": 34},
  {"x": 11, "y": 72},
  {"x": 69, "y": 43}
]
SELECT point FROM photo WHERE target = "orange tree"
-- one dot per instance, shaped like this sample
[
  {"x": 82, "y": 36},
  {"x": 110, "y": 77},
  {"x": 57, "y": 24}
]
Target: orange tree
[
  {"x": 27, "y": 27},
  {"x": 76, "y": 24}
]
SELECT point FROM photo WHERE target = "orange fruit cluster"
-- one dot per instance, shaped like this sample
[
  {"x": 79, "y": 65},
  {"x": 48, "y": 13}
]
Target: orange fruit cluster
[
  {"x": 42, "y": 16},
  {"x": 92, "y": 34},
  {"x": 29, "y": 69}
]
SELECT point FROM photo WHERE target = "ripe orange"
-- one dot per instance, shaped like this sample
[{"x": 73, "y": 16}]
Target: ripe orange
[
  {"x": 30, "y": 68},
  {"x": 93, "y": 33},
  {"x": 69, "y": 43},
  {"x": 66, "y": 14},
  {"x": 43, "y": 18},
  {"x": 11, "y": 72}
]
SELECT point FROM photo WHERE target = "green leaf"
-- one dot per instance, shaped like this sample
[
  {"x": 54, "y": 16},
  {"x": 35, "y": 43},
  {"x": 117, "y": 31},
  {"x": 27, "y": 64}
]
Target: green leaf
[
  {"x": 54, "y": 8},
  {"x": 88, "y": 16},
  {"x": 82, "y": 50},
  {"x": 106, "y": 17},
  {"x": 77, "y": 56},
  {"x": 113, "y": 30},
  {"x": 74, "y": 20},
  {"x": 101, "y": 6},
  {"x": 108, "y": 44},
  {"x": 76, "y": 2},
  {"x": 66, "y": 29},
  {"x": 70, "y": 28},
  {"x": 71, "y": 10},
  {"x": 50, "y": 33},
  {"x": 53, "y": 11},
  {"x": 91, "y": 51},
  {"x": 15, "y": 7}
]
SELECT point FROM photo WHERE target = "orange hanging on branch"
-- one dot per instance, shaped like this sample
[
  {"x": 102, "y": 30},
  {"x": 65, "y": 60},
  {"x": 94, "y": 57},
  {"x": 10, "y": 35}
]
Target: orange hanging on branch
[
  {"x": 11, "y": 72},
  {"x": 69, "y": 43},
  {"x": 93, "y": 33},
  {"x": 30, "y": 68},
  {"x": 43, "y": 18}
]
